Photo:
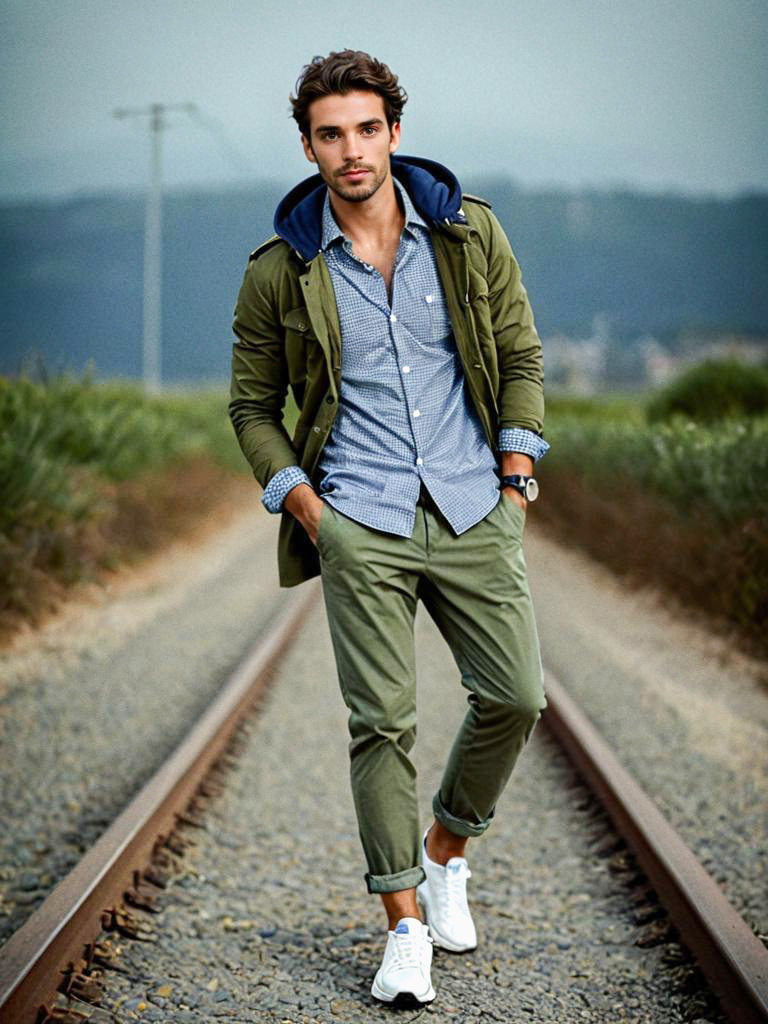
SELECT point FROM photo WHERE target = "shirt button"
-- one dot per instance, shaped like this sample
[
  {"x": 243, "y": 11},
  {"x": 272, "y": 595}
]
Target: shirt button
[
  {"x": 406, "y": 369},
  {"x": 416, "y": 412},
  {"x": 393, "y": 318},
  {"x": 419, "y": 462},
  {"x": 429, "y": 298}
]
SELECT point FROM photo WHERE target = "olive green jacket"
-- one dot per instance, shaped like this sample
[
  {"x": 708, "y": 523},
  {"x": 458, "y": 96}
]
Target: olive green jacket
[{"x": 288, "y": 335}]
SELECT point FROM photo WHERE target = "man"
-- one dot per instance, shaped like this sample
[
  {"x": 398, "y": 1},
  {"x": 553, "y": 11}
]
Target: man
[{"x": 393, "y": 307}]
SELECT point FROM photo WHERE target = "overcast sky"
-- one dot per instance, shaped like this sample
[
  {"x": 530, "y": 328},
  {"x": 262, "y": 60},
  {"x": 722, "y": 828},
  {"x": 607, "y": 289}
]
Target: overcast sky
[{"x": 658, "y": 94}]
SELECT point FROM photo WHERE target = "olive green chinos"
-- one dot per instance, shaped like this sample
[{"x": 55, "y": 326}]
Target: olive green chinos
[{"x": 475, "y": 588}]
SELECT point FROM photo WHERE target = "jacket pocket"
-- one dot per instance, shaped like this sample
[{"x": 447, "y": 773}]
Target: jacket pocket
[{"x": 296, "y": 325}]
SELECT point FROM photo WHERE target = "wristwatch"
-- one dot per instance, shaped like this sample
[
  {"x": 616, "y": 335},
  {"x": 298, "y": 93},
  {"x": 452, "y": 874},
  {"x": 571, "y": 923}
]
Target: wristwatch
[{"x": 526, "y": 485}]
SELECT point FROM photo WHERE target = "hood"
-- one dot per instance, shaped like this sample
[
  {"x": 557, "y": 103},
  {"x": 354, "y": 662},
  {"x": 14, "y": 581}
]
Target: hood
[{"x": 434, "y": 191}]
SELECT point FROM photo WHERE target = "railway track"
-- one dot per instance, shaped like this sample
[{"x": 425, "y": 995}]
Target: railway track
[{"x": 50, "y": 970}]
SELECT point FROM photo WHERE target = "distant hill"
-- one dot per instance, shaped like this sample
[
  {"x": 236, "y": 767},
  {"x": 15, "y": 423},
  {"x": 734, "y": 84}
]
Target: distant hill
[{"x": 72, "y": 270}]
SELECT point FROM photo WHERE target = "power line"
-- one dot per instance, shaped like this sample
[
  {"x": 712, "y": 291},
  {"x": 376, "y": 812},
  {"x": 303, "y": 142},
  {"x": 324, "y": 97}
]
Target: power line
[{"x": 229, "y": 150}]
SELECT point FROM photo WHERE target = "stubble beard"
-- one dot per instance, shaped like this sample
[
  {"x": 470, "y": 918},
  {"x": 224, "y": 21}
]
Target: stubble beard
[{"x": 359, "y": 194}]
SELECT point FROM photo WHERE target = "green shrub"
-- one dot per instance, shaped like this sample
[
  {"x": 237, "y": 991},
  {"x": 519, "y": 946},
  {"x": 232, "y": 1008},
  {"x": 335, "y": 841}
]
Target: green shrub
[
  {"x": 603, "y": 407},
  {"x": 722, "y": 468},
  {"x": 77, "y": 457},
  {"x": 682, "y": 504},
  {"x": 712, "y": 391},
  {"x": 60, "y": 437}
]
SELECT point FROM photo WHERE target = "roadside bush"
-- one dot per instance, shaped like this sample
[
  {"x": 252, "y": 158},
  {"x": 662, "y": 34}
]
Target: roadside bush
[
  {"x": 681, "y": 504},
  {"x": 722, "y": 468},
  {"x": 608, "y": 407},
  {"x": 92, "y": 471},
  {"x": 712, "y": 391}
]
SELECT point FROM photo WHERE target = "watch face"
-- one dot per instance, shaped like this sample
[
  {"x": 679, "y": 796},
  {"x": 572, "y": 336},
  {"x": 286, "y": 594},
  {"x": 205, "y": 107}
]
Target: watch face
[{"x": 531, "y": 489}]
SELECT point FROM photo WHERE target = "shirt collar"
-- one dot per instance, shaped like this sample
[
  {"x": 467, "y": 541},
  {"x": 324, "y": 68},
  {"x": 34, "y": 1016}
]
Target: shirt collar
[{"x": 332, "y": 232}]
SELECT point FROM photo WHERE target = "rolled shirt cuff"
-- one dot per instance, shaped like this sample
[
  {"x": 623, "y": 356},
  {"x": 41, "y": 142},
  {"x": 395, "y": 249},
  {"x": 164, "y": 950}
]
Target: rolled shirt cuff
[
  {"x": 518, "y": 439},
  {"x": 281, "y": 483}
]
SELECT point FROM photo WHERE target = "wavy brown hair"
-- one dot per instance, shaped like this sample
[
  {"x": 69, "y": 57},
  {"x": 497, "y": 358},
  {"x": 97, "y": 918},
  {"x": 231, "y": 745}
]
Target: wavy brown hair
[{"x": 342, "y": 72}]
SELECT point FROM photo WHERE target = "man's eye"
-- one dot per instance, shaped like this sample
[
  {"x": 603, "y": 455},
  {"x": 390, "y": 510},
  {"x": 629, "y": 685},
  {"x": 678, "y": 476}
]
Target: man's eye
[{"x": 370, "y": 129}]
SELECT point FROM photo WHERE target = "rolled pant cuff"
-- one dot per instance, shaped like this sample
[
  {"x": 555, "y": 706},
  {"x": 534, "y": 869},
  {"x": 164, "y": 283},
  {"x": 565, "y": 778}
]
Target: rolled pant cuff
[
  {"x": 458, "y": 826},
  {"x": 407, "y": 879}
]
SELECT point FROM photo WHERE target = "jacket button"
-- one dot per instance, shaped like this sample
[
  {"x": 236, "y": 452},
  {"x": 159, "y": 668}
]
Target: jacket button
[
  {"x": 316, "y": 429},
  {"x": 330, "y": 399}
]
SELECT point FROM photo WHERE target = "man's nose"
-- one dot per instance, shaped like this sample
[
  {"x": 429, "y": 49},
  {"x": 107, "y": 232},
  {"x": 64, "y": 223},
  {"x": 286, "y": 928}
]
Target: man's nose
[{"x": 351, "y": 148}]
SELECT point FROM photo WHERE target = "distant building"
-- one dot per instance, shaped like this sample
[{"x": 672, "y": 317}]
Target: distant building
[{"x": 603, "y": 362}]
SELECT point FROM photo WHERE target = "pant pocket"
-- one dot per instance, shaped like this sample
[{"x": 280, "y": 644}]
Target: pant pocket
[
  {"x": 322, "y": 527},
  {"x": 514, "y": 512}
]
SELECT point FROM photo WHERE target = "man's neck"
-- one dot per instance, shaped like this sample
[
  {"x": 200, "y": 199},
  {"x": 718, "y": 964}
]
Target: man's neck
[{"x": 372, "y": 222}]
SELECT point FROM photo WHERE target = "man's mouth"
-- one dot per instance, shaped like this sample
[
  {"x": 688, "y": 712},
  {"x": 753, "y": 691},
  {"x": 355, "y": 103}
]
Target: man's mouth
[{"x": 355, "y": 173}]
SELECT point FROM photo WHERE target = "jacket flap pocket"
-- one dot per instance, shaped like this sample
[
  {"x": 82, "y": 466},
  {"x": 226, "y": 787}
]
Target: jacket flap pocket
[
  {"x": 478, "y": 285},
  {"x": 296, "y": 319}
]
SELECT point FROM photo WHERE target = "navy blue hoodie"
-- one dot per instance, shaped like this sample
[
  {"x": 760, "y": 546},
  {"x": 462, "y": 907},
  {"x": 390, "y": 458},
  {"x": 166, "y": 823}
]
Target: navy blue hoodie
[{"x": 433, "y": 189}]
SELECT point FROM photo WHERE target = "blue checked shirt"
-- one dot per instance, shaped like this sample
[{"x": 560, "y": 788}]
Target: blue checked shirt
[{"x": 404, "y": 413}]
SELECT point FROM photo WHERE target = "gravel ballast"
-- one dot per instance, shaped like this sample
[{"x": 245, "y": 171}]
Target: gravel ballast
[
  {"x": 274, "y": 923},
  {"x": 91, "y": 705},
  {"x": 90, "y": 711},
  {"x": 685, "y": 711}
]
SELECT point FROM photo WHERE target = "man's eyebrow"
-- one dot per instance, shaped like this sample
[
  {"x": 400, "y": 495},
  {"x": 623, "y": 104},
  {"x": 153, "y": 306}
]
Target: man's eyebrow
[{"x": 335, "y": 127}]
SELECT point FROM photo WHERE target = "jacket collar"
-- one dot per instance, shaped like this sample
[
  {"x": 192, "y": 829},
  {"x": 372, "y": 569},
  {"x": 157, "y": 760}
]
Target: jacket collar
[{"x": 434, "y": 191}]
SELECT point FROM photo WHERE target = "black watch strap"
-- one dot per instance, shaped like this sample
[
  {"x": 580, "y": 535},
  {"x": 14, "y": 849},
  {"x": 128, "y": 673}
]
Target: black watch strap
[{"x": 525, "y": 485}]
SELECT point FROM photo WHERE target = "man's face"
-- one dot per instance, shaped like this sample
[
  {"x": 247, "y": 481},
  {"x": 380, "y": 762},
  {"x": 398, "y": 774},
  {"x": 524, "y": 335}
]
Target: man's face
[{"x": 350, "y": 142}]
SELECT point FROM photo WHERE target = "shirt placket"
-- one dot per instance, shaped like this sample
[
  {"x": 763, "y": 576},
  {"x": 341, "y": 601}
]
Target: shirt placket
[{"x": 406, "y": 251}]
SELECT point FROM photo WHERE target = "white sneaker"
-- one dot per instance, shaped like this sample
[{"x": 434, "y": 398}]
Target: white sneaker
[
  {"x": 405, "y": 969},
  {"x": 443, "y": 895}
]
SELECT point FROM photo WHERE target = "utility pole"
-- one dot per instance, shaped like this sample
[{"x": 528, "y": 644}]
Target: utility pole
[{"x": 153, "y": 240}]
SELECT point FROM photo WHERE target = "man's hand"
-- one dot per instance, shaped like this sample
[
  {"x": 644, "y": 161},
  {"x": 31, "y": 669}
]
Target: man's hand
[{"x": 307, "y": 507}]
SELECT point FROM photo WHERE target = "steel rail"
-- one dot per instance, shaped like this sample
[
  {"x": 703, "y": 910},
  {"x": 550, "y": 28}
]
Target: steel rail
[
  {"x": 731, "y": 957},
  {"x": 33, "y": 959}
]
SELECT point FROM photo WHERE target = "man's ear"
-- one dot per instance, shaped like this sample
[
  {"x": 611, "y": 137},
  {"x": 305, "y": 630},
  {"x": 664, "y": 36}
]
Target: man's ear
[
  {"x": 394, "y": 137},
  {"x": 308, "y": 152}
]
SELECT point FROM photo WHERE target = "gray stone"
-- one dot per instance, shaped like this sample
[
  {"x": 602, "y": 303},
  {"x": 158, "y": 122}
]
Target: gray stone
[{"x": 557, "y": 939}]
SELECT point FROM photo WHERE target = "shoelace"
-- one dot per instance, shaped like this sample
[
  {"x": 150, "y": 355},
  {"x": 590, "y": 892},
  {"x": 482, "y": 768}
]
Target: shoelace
[
  {"x": 408, "y": 949},
  {"x": 456, "y": 902}
]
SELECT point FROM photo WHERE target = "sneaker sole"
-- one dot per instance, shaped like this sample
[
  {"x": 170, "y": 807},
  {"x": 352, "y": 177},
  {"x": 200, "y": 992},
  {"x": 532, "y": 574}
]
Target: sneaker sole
[
  {"x": 437, "y": 938},
  {"x": 385, "y": 997}
]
